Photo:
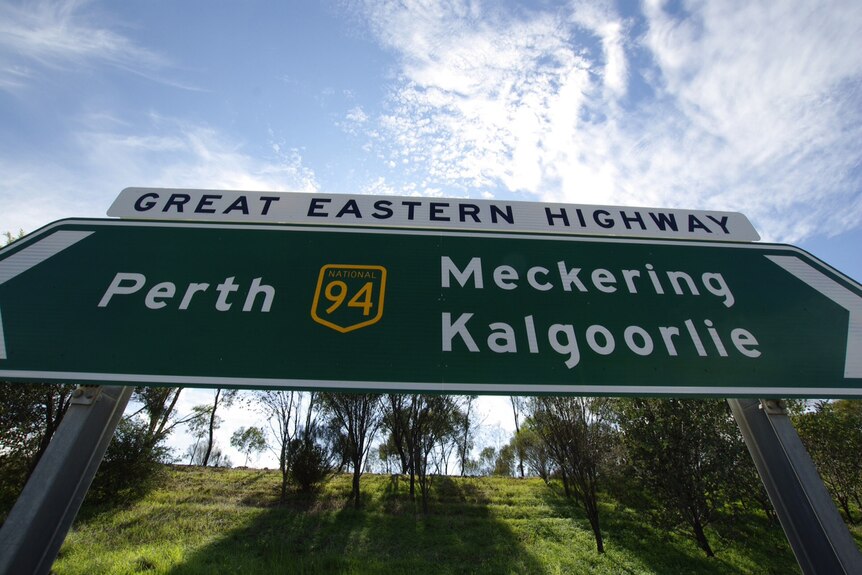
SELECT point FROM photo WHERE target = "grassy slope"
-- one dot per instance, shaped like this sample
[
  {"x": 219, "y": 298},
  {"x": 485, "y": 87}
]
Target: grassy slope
[{"x": 226, "y": 521}]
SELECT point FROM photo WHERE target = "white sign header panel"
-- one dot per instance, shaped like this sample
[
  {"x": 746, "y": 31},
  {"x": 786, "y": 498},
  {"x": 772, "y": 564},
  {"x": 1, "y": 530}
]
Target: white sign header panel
[{"x": 424, "y": 212}]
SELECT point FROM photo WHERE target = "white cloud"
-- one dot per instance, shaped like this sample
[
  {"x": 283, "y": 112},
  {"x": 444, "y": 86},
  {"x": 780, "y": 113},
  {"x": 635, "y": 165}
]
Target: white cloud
[
  {"x": 166, "y": 153},
  {"x": 748, "y": 106},
  {"x": 380, "y": 187},
  {"x": 767, "y": 93},
  {"x": 13, "y": 77},
  {"x": 46, "y": 36},
  {"x": 478, "y": 97},
  {"x": 599, "y": 19},
  {"x": 357, "y": 115},
  {"x": 187, "y": 155},
  {"x": 354, "y": 120}
]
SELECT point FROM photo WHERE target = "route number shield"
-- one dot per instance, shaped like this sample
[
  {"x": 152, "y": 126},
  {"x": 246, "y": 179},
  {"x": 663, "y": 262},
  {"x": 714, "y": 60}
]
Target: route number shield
[{"x": 349, "y": 297}]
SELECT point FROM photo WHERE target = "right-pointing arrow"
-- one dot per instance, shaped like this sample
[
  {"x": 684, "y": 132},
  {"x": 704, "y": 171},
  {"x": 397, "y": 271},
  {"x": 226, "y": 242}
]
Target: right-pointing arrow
[{"x": 840, "y": 295}]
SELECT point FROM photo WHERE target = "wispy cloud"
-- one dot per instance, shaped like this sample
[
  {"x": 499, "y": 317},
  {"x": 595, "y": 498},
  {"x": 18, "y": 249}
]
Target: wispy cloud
[
  {"x": 165, "y": 153},
  {"x": 180, "y": 154},
  {"x": 479, "y": 95},
  {"x": 749, "y": 106},
  {"x": 769, "y": 93},
  {"x": 41, "y": 35}
]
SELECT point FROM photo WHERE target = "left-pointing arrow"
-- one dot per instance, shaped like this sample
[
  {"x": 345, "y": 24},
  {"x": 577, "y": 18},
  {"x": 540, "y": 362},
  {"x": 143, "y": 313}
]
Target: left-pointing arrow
[
  {"x": 31, "y": 256},
  {"x": 2, "y": 340}
]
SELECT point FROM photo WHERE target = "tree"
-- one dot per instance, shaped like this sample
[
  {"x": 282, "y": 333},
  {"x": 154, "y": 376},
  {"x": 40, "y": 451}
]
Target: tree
[
  {"x": 832, "y": 433},
  {"x": 519, "y": 404},
  {"x": 137, "y": 451},
  {"x": 396, "y": 419},
  {"x": 430, "y": 421},
  {"x": 281, "y": 409},
  {"x": 131, "y": 464},
  {"x": 487, "y": 459},
  {"x": 534, "y": 451},
  {"x": 422, "y": 430},
  {"x": 199, "y": 423},
  {"x": 688, "y": 454},
  {"x": 195, "y": 452},
  {"x": 447, "y": 436},
  {"x": 10, "y": 237},
  {"x": 29, "y": 416},
  {"x": 219, "y": 458},
  {"x": 576, "y": 433},
  {"x": 386, "y": 456},
  {"x": 504, "y": 465},
  {"x": 357, "y": 417},
  {"x": 223, "y": 397},
  {"x": 158, "y": 405},
  {"x": 466, "y": 431},
  {"x": 311, "y": 458},
  {"x": 248, "y": 440}
]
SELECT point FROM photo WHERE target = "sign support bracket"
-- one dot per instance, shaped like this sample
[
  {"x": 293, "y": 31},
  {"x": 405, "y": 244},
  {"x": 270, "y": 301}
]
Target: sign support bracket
[
  {"x": 818, "y": 536},
  {"x": 37, "y": 525}
]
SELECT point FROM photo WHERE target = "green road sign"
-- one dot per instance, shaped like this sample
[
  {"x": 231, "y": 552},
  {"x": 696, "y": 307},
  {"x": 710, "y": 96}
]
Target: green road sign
[{"x": 206, "y": 304}]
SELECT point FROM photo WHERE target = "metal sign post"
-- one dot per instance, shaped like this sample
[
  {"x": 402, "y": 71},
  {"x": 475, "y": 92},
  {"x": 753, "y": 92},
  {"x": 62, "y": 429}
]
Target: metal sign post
[
  {"x": 817, "y": 534},
  {"x": 36, "y": 526}
]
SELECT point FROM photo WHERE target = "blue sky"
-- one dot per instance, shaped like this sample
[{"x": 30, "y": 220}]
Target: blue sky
[{"x": 749, "y": 106}]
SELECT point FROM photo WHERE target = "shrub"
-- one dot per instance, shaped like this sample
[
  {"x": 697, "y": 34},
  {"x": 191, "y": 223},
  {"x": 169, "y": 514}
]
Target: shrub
[
  {"x": 311, "y": 463},
  {"x": 131, "y": 465}
]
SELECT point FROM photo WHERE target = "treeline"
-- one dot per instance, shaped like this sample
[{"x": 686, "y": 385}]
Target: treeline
[{"x": 683, "y": 463}]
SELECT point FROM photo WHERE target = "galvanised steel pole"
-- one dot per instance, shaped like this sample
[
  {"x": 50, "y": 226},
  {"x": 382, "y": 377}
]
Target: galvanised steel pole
[
  {"x": 37, "y": 525},
  {"x": 817, "y": 534}
]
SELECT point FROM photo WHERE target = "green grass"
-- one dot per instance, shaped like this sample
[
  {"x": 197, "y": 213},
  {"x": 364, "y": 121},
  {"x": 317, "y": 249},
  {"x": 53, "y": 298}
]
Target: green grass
[{"x": 229, "y": 521}]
